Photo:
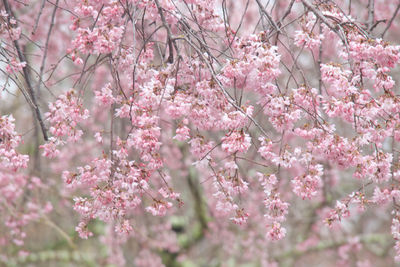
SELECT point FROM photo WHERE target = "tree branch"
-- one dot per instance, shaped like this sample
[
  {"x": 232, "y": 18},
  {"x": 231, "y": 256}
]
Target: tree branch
[
  {"x": 370, "y": 23},
  {"x": 319, "y": 15},
  {"x": 391, "y": 20},
  {"x": 170, "y": 41},
  {"x": 27, "y": 78}
]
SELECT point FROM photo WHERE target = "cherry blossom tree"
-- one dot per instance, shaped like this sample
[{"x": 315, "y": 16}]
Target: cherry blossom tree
[{"x": 199, "y": 133}]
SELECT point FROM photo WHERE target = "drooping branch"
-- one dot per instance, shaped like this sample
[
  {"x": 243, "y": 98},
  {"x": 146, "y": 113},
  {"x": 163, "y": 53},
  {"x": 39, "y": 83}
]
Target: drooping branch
[
  {"x": 46, "y": 47},
  {"x": 319, "y": 15},
  {"x": 271, "y": 21},
  {"x": 32, "y": 94},
  {"x": 170, "y": 40}
]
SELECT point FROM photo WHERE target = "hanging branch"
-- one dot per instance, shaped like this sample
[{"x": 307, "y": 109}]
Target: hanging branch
[{"x": 27, "y": 78}]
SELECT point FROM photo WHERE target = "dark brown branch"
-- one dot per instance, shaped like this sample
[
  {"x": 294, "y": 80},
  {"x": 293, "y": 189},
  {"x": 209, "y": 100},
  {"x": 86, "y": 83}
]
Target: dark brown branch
[
  {"x": 21, "y": 57},
  {"x": 169, "y": 34}
]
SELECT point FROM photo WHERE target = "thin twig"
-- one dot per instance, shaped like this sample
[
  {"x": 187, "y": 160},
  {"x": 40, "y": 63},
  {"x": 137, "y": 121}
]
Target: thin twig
[
  {"x": 391, "y": 20},
  {"x": 46, "y": 47},
  {"x": 38, "y": 17},
  {"x": 319, "y": 15}
]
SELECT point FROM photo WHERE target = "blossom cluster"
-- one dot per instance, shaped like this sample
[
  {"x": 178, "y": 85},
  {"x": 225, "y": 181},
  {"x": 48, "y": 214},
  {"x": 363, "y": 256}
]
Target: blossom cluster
[{"x": 64, "y": 115}]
